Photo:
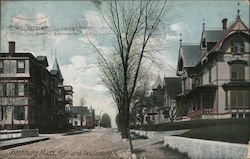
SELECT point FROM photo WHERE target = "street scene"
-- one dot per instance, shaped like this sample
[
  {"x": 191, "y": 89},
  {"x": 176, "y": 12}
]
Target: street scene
[{"x": 124, "y": 79}]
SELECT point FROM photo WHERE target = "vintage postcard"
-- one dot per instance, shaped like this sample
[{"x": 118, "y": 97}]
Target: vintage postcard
[{"x": 132, "y": 79}]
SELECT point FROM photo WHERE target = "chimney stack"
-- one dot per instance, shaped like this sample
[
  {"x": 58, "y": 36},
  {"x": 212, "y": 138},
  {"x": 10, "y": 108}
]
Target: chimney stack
[
  {"x": 224, "y": 23},
  {"x": 11, "y": 47}
]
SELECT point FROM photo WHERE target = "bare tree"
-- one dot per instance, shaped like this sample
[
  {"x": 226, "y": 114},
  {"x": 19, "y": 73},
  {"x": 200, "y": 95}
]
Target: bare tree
[{"x": 133, "y": 24}]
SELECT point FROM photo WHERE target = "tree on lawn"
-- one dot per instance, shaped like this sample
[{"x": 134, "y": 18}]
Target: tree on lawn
[
  {"x": 105, "y": 121},
  {"x": 133, "y": 25}
]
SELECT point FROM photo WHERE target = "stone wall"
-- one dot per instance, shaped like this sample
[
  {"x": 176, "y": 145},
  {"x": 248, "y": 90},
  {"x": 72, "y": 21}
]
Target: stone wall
[{"x": 199, "y": 149}]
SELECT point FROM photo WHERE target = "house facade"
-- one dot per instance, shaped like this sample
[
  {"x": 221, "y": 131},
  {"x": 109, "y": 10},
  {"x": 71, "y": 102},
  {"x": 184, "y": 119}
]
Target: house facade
[
  {"x": 215, "y": 74},
  {"x": 82, "y": 117},
  {"x": 164, "y": 93},
  {"x": 30, "y": 95}
]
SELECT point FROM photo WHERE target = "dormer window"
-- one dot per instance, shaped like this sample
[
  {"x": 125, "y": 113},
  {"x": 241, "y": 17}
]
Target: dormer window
[
  {"x": 237, "y": 47},
  {"x": 20, "y": 66},
  {"x": 180, "y": 65},
  {"x": 204, "y": 43}
]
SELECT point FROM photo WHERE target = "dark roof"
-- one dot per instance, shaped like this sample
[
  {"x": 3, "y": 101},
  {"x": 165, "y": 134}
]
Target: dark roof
[
  {"x": 43, "y": 59},
  {"x": 191, "y": 55},
  {"x": 79, "y": 110},
  {"x": 213, "y": 35},
  {"x": 18, "y": 55},
  {"x": 57, "y": 69},
  {"x": 172, "y": 86}
]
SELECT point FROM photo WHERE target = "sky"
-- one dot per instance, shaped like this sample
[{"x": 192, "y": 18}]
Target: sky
[{"x": 71, "y": 22}]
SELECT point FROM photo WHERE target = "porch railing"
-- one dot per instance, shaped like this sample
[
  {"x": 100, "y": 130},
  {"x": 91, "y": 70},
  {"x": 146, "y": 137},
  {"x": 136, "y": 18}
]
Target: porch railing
[{"x": 199, "y": 113}]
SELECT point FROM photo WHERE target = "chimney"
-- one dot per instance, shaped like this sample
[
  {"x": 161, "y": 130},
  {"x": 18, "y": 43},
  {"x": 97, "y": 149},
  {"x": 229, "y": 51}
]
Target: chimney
[
  {"x": 11, "y": 47},
  {"x": 224, "y": 23}
]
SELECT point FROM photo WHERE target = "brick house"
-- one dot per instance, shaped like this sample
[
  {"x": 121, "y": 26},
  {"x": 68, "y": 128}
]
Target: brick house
[{"x": 30, "y": 95}]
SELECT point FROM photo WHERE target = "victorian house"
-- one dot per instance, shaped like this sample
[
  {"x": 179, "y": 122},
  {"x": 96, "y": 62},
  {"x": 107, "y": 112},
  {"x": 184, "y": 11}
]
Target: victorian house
[
  {"x": 30, "y": 95},
  {"x": 216, "y": 74},
  {"x": 164, "y": 93}
]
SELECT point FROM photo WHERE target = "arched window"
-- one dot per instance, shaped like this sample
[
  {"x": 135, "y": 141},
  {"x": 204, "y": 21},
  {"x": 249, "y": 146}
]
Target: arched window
[
  {"x": 237, "y": 47},
  {"x": 180, "y": 64},
  {"x": 204, "y": 43}
]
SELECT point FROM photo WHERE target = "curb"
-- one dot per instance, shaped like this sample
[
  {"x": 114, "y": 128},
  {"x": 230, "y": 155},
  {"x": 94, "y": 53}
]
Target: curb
[{"x": 7, "y": 146}]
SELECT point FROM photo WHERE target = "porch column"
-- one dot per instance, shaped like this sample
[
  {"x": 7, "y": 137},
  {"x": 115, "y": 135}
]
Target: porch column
[
  {"x": 201, "y": 105},
  {"x": 226, "y": 99},
  {"x": 195, "y": 102}
]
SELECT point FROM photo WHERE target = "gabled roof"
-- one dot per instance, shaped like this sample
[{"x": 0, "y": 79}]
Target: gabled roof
[
  {"x": 172, "y": 86},
  {"x": 191, "y": 55},
  {"x": 56, "y": 70},
  {"x": 43, "y": 60},
  {"x": 158, "y": 83},
  {"x": 238, "y": 25}
]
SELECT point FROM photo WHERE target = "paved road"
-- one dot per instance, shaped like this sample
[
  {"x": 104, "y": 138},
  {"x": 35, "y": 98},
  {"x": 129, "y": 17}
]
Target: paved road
[{"x": 98, "y": 144}]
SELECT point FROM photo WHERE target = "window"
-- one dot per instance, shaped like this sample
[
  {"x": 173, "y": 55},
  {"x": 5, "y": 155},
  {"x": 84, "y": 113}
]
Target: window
[
  {"x": 233, "y": 115},
  {"x": 19, "y": 112},
  {"x": 165, "y": 114},
  {"x": 196, "y": 81},
  {"x": 240, "y": 98},
  {"x": 209, "y": 76},
  {"x": 10, "y": 89},
  {"x": 20, "y": 66},
  {"x": 237, "y": 72},
  {"x": 2, "y": 93},
  {"x": 76, "y": 123},
  {"x": 180, "y": 64},
  {"x": 204, "y": 43},
  {"x": 20, "y": 89},
  {"x": 1, "y": 66},
  {"x": 75, "y": 115},
  {"x": 237, "y": 47}
]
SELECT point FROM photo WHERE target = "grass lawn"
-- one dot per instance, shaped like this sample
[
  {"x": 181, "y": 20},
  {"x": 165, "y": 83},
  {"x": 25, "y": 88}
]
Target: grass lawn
[
  {"x": 234, "y": 133},
  {"x": 228, "y": 130}
]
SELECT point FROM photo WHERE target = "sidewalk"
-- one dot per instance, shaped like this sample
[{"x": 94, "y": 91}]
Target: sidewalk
[
  {"x": 22, "y": 141},
  {"x": 154, "y": 149}
]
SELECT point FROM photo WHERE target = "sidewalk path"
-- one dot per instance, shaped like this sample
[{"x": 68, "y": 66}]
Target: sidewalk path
[
  {"x": 154, "y": 149},
  {"x": 22, "y": 141}
]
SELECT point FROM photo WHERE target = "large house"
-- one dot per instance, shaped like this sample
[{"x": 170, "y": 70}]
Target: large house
[
  {"x": 30, "y": 95},
  {"x": 215, "y": 73}
]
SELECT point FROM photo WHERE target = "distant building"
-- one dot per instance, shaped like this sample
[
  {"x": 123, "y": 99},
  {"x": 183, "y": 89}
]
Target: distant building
[
  {"x": 172, "y": 88},
  {"x": 30, "y": 95},
  {"x": 68, "y": 92},
  {"x": 79, "y": 114},
  {"x": 216, "y": 74},
  {"x": 164, "y": 95},
  {"x": 82, "y": 117},
  {"x": 157, "y": 99}
]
